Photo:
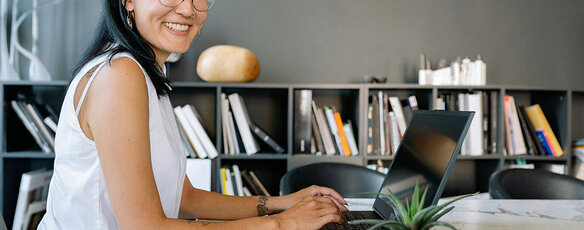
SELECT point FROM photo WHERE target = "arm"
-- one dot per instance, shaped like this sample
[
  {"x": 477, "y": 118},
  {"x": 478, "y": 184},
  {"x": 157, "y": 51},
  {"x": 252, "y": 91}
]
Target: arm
[
  {"x": 196, "y": 203},
  {"x": 117, "y": 120}
]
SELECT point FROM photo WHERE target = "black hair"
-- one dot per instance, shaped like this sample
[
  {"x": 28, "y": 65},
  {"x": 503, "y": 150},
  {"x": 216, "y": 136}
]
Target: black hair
[{"x": 114, "y": 29}]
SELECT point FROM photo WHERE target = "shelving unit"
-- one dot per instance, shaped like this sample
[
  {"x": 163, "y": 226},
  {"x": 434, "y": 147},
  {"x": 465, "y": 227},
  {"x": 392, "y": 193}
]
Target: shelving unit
[{"x": 271, "y": 107}]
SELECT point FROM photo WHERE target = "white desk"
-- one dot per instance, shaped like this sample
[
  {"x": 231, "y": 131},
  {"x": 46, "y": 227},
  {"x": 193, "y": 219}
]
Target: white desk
[{"x": 506, "y": 214}]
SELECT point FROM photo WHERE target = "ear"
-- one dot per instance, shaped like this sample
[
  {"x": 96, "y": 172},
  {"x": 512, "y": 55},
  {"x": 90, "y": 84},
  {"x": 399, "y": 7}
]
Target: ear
[{"x": 128, "y": 4}]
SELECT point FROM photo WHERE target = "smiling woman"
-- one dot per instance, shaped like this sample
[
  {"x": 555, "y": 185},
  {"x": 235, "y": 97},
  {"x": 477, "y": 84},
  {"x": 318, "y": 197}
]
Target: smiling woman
[{"x": 119, "y": 160}]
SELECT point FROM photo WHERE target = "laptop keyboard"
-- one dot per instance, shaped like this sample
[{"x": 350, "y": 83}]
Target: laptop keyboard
[{"x": 348, "y": 216}]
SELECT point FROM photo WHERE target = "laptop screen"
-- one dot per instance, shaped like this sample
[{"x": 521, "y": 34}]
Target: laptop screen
[{"x": 426, "y": 153}]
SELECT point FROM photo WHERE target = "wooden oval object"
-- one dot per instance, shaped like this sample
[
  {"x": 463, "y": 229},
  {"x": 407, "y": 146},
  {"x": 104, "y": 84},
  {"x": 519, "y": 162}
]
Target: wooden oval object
[{"x": 226, "y": 63}]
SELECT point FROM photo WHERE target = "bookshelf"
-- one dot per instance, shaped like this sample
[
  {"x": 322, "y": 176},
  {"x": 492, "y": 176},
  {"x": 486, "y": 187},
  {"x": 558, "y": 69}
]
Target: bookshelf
[{"x": 271, "y": 107}]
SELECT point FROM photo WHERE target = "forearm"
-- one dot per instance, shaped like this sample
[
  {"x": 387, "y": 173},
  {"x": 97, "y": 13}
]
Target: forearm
[
  {"x": 266, "y": 222},
  {"x": 210, "y": 205}
]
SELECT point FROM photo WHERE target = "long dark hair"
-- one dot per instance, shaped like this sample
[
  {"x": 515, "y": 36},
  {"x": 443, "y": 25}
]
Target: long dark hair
[{"x": 113, "y": 29}]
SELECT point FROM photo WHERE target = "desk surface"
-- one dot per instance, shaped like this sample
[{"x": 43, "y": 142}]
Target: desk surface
[{"x": 506, "y": 214}]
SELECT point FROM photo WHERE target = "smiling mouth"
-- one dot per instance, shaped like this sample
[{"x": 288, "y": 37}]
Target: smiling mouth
[{"x": 176, "y": 27}]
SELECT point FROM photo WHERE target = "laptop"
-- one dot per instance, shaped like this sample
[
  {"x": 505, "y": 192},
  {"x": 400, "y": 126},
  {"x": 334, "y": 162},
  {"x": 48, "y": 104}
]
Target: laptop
[{"x": 426, "y": 155}]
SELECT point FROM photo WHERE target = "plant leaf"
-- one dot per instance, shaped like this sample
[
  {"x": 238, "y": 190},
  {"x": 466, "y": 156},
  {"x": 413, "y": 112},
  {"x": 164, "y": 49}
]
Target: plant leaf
[
  {"x": 423, "y": 197},
  {"x": 436, "y": 217},
  {"x": 403, "y": 213},
  {"x": 415, "y": 200},
  {"x": 438, "y": 223},
  {"x": 408, "y": 207},
  {"x": 385, "y": 224},
  {"x": 396, "y": 225},
  {"x": 440, "y": 207},
  {"x": 366, "y": 221},
  {"x": 417, "y": 219}
]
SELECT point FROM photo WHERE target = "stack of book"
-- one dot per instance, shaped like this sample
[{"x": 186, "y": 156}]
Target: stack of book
[
  {"x": 527, "y": 131},
  {"x": 237, "y": 128},
  {"x": 321, "y": 130},
  {"x": 235, "y": 182},
  {"x": 481, "y": 138},
  {"x": 195, "y": 140},
  {"x": 387, "y": 118},
  {"x": 42, "y": 124},
  {"x": 32, "y": 199}
]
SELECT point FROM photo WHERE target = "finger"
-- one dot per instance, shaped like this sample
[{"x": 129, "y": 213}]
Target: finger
[
  {"x": 339, "y": 206},
  {"x": 332, "y": 201},
  {"x": 330, "y": 192},
  {"x": 328, "y": 210},
  {"x": 330, "y": 218}
]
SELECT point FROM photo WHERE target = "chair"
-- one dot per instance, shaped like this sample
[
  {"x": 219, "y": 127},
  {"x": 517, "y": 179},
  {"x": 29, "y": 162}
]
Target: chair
[
  {"x": 534, "y": 184},
  {"x": 348, "y": 180}
]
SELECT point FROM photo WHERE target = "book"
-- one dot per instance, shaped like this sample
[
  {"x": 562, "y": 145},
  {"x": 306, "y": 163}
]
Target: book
[
  {"x": 246, "y": 191},
  {"x": 539, "y": 122},
  {"x": 223, "y": 181},
  {"x": 386, "y": 121},
  {"x": 474, "y": 137},
  {"x": 262, "y": 135},
  {"x": 189, "y": 131},
  {"x": 342, "y": 136},
  {"x": 413, "y": 101},
  {"x": 348, "y": 128},
  {"x": 38, "y": 121},
  {"x": 317, "y": 137},
  {"x": 376, "y": 125},
  {"x": 34, "y": 214},
  {"x": 397, "y": 109},
  {"x": 234, "y": 184},
  {"x": 493, "y": 114},
  {"x": 259, "y": 183},
  {"x": 234, "y": 137},
  {"x": 538, "y": 145},
  {"x": 325, "y": 133},
  {"x": 242, "y": 119},
  {"x": 254, "y": 189},
  {"x": 33, "y": 187},
  {"x": 527, "y": 137},
  {"x": 395, "y": 137},
  {"x": 302, "y": 121},
  {"x": 518, "y": 141},
  {"x": 369, "y": 148},
  {"x": 30, "y": 126},
  {"x": 51, "y": 123},
  {"x": 382, "y": 120},
  {"x": 194, "y": 121},
  {"x": 545, "y": 142},
  {"x": 330, "y": 117},
  {"x": 227, "y": 146},
  {"x": 228, "y": 183}
]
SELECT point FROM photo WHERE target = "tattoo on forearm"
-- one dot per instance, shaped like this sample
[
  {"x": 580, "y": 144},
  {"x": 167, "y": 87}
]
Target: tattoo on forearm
[{"x": 262, "y": 209}]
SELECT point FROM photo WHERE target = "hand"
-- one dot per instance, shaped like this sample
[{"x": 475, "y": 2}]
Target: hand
[
  {"x": 314, "y": 190},
  {"x": 312, "y": 212}
]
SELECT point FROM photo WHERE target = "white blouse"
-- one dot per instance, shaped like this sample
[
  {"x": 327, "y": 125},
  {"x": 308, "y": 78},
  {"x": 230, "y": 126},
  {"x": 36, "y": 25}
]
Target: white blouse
[{"x": 78, "y": 197}]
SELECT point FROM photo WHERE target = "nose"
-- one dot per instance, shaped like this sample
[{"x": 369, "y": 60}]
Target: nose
[{"x": 185, "y": 8}]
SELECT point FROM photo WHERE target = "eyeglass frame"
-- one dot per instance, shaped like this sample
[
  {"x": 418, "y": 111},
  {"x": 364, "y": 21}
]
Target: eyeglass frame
[{"x": 192, "y": 2}]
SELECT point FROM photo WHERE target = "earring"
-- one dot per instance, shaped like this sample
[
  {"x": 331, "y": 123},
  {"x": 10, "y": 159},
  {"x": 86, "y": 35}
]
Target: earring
[
  {"x": 129, "y": 18},
  {"x": 193, "y": 16}
]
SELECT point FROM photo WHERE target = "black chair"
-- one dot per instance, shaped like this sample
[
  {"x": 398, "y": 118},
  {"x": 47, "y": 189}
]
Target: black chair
[
  {"x": 348, "y": 180},
  {"x": 534, "y": 184}
]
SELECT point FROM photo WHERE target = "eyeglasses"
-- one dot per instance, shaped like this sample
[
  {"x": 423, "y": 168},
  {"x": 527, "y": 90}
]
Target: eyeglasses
[{"x": 200, "y": 5}]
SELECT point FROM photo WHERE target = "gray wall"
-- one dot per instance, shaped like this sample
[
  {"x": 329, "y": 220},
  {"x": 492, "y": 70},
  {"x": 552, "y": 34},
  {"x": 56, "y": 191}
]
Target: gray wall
[{"x": 533, "y": 42}]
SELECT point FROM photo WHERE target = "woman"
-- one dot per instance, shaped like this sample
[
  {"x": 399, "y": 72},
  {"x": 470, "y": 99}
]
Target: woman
[{"x": 119, "y": 160}]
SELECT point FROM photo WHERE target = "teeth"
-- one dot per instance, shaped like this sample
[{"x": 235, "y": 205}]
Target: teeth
[{"x": 176, "y": 27}]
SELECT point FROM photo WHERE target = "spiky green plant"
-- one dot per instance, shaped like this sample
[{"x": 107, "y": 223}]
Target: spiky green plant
[{"x": 412, "y": 216}]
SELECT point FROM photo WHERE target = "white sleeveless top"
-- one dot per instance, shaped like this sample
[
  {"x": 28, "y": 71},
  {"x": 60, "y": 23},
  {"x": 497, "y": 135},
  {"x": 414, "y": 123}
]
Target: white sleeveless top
[{"x": 78, "y": 197}]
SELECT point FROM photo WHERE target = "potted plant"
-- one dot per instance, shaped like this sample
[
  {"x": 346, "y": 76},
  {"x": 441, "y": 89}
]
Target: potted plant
[{"x": 412, "y": 216}]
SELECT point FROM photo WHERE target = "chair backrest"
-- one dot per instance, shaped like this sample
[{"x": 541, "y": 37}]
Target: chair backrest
[
  {"x": 348, "y": 180},
  {"x": 534, "y": 184}
]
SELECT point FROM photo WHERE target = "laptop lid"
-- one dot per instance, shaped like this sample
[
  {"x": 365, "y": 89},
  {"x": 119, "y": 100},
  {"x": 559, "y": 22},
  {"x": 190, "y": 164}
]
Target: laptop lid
[{"x": 426, "y": 154}]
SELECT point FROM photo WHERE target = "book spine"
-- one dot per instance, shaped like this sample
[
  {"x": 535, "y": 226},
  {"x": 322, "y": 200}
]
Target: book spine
[
  {"x": 195, "y": 143},
  {"x": 192, "y": 119},
  {"x": 242, "y": 118},
  {"x": 348, "y": 127},
  {"x": 250, "y": 184},
  {"x": 517, "y": 133},
  {"x": 225, "y": 125},
  {"x": 508, "y": 128},
  {"x": 342, "y": 135},
  {"x": 302, "y": 121},
  {"x": 493, "y": 113},
  {"x": 382, "y": 121},
  {"x": 317, "y": 136},
  {"x": 542, "y": 123},
  {"x": 233, "y": 131},
  {"x": 238, "y": 182},
  {"x": 36, "y": 118},
  {"x": 539, "y": 150},
  {"x": 544, "y": 142},
  {"x": 376, "y": 126},
  {"x": 369, "y": 148},
  {"x": 387, "y": 132},
  {"x": 324, "y": 129},
  {"x": 20, "y": 112},
  {"x": 333, "y": 126},
  {"x": 259, "y": 183},
  {"x": 531, "y": 149},
  {"x": 395, "y": 138},
  {"x": 397, "y": 109}
]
